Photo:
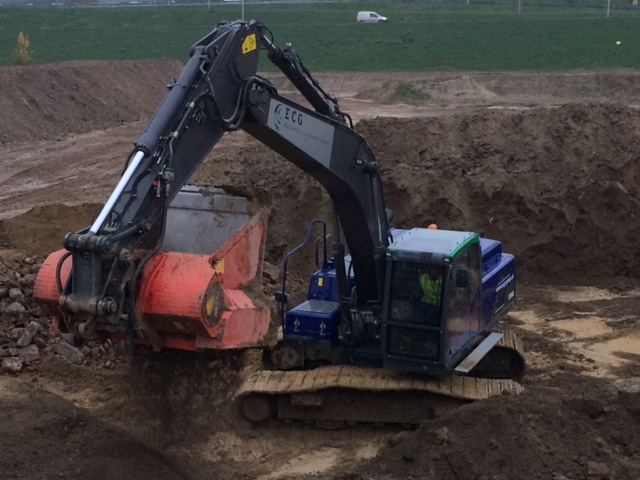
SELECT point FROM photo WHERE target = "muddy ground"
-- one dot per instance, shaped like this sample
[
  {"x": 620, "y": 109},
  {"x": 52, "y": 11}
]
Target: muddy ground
[{"x": 547, "y": 163}]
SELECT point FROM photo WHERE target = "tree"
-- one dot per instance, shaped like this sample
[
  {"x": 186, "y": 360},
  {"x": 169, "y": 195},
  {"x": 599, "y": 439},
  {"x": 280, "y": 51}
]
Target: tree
[{"x": 23, "y": 54}]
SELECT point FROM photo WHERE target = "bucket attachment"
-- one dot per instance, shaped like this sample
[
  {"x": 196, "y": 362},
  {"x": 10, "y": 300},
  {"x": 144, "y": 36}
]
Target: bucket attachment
[{"x": 189, "y": 299}]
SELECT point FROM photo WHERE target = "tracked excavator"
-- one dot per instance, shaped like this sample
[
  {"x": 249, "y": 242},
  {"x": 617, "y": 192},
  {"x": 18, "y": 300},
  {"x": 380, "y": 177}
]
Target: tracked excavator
[{"x": 397, "y": 324}]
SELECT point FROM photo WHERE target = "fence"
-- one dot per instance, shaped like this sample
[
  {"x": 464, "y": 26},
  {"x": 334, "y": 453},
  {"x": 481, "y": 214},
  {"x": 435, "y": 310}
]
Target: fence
[{"x": 521, "y": 6}]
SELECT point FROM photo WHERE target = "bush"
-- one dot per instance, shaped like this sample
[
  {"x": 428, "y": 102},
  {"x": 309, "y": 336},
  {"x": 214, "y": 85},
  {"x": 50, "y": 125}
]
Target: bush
[{"x": 23, "y": 54}]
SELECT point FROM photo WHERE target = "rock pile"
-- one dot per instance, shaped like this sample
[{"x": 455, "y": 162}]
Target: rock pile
[{"x": 28, "y": 333}]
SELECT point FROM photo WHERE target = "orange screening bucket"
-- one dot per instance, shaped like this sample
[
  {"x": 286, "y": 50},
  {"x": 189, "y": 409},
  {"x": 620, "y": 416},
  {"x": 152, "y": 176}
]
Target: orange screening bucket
[{"x": 189, "y": 299}]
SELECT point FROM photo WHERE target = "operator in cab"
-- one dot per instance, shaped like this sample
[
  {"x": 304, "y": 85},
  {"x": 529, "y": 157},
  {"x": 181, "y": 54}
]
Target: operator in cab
[{"x": 431, "y": 301}]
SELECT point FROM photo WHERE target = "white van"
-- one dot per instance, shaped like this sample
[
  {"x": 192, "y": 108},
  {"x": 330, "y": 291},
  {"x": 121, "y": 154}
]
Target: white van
[{"x": 370, "y": 17}]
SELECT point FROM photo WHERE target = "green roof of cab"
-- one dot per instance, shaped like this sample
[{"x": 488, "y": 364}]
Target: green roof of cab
[
  {"x": 432, "y": 245},
  {"x": 470, "y": 240}
]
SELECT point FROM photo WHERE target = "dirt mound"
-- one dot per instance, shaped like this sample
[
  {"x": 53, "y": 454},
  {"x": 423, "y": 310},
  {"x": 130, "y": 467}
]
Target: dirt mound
[
  {"x": 72, "y": 443},
  {"x": 552, "y": 432},
  {"x": 45, "y": 102},
  {"x": 459, "y": 89},
  {"x": 25, "y": 232},
  {"x": 395, "y": 92},
  {"x": 547, "y": 182},
  {"x": 588, "y": 86},
  {"x": 464, "y": 87},
  {"x": 557, "y": 186},
  {"x": 479, "y": 88}
]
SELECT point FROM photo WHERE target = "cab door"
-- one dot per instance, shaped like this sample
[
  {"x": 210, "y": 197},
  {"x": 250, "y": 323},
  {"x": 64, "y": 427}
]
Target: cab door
[{"x": 463, "y": 301}]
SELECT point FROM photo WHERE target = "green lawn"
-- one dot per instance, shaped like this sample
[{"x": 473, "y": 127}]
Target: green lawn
[{"x": 418, "y": 37}]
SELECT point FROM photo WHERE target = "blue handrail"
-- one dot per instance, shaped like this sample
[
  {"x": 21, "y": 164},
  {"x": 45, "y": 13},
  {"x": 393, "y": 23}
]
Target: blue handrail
[{"x": 283, "y": 299}]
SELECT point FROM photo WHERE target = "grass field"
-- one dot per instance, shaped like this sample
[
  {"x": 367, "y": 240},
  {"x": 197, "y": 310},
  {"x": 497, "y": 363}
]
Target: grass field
[{"x": 418, "y": 36}]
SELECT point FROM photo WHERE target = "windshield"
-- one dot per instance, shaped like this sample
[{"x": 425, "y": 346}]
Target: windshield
[
  {"x": 415, "y": 310},
  {"x": 416, "y": 293}
]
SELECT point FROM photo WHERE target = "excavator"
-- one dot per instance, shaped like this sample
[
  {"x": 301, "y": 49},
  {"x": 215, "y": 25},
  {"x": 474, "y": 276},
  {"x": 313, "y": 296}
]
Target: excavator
[{"x": 398, "y": 323}]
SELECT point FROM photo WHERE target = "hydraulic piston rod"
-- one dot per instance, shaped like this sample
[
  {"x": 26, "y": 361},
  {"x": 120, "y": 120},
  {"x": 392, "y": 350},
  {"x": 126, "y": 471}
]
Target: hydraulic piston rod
[{"x": 133, "y": 166}]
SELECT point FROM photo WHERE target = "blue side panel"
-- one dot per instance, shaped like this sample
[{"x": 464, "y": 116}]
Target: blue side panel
[
  {"x": 491, "y": 255},
  {"x": 313, "y": 320},
  {"x": 324, "y": 283},
  {"x": 499, "y": 290},
  {"x": 324, "y": 286},
  {"x": 317, "y": 319}
]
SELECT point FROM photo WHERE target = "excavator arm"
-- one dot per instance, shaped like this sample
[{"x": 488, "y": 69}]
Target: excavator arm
[{"x": 219, "y": 91}]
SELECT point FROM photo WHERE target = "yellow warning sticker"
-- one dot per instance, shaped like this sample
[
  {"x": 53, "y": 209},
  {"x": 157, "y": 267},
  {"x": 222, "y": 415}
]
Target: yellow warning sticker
[
  {"x": 219, "y": 267},
  {"x": 249, "y": 44},
  {"x": 320, "y": 281}
]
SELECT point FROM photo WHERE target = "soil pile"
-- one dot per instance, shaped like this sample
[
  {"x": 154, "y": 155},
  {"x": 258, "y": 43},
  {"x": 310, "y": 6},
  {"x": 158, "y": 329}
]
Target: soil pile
[
  {"x": 557, "y": 186},
  {"x": 455, "y": 89},
  {"x": 570, "y": 429},
  {"x": 25, "y": 332},
  {"x": 45, "y": 436},
  {"x": 462, "y": 89},
  {"x": 26, "y": 231},
  {"x": 50, "y": 101},
  {"x": 29, "y": 335}
]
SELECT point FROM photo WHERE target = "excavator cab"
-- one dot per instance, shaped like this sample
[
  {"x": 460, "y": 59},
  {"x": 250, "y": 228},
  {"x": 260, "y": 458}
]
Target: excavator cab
[{"x": 433, "y": 299}]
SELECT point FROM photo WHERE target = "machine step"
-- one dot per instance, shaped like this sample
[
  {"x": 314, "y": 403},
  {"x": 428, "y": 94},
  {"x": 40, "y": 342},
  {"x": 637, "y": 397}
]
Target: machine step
[{"x": 478, "y": 353}]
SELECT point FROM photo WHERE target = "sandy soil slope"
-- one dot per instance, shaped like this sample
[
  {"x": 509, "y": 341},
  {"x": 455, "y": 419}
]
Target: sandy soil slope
[{"x": 547, "y": 163}]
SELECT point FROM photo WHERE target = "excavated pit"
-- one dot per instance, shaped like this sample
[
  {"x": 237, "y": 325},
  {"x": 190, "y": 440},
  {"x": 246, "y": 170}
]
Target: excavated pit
[{"x": 531, "y": 162}]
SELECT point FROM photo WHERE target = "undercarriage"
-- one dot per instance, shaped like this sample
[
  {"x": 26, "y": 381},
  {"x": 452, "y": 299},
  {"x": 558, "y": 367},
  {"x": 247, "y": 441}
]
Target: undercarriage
[{"x": 332, "y": 396}]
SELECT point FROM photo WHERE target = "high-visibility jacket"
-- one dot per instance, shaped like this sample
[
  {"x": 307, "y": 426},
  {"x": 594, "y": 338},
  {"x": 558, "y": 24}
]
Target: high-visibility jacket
[{"x": 431, "y": 289}]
